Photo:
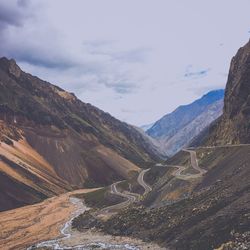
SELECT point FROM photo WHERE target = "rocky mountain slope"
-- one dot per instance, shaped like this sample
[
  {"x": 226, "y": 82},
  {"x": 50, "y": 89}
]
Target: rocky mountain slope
[
  {"x": 177, "y": 129},
  {"x": 234, "y": 125},
  {"x": 217, "y": 208},
  {"x": 208, "y": 211},
  {"x": 52, "y": 142}
]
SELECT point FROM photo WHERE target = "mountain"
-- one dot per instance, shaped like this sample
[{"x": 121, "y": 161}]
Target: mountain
[
  {"x": 187, "y": 210},
  {"x": 51, "y": 142},
  {"x": 234, "y": 125},
  {"x": 147, "y": 126},
  {"x": 177, "y": 129}
]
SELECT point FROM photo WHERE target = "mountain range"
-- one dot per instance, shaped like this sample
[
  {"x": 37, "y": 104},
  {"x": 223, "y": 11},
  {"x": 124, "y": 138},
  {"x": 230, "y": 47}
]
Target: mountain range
[
  {"x": 200, "y": 197},
  {"x": 52, "y": 143},
  {"x": 176, "y": 130}
]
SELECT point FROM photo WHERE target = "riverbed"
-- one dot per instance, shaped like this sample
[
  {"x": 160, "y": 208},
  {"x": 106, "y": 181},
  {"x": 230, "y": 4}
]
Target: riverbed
[{"x": 72, "y": 239}]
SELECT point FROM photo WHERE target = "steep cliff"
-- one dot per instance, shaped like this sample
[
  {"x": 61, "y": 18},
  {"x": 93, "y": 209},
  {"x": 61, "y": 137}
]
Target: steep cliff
[{"x": 234, "y": 125}]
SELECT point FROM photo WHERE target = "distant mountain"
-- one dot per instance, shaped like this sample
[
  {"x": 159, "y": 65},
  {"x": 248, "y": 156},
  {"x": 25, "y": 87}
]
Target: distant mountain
[
  {"x": 51, "y": 142},
  {"x": 147, "y": 127},
  {"x": 177, "y": 129}
]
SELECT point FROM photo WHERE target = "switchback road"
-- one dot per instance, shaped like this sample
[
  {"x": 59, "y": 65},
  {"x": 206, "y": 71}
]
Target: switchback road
[
  {"x": 194, "y": 163},
  {"x": 131, "y": 197},
  {"x": 141, "y": 181}
]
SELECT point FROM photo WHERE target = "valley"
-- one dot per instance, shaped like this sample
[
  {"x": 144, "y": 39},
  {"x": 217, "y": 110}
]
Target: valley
[
  {"x": 74, "y": 177},
  {"x": 200, "y": 197},
  {"x": 55, "y": 218}
]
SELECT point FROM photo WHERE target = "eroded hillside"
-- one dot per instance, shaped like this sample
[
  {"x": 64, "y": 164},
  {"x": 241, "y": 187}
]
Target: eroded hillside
[{"x": 52, "y": 142}]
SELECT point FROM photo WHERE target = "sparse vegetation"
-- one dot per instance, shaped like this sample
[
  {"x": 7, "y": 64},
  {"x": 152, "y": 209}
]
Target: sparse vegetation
[{"x": 100, "y": 198}]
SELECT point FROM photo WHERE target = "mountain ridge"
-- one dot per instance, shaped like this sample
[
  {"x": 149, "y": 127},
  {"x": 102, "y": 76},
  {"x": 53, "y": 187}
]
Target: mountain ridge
[
  {"x": 177, "y": 129},
  {"x": 77, "y": 141},
  {"x": 233, "y": 127},
  {"x": 207, "y": 211}
]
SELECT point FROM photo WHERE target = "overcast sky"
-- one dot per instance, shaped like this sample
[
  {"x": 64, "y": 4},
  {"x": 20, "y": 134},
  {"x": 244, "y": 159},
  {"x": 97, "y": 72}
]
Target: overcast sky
[{"x": 136, "y": 59}]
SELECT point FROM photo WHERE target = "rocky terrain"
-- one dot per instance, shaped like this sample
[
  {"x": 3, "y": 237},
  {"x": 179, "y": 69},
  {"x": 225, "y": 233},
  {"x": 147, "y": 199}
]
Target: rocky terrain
[
  {"x": 234, "y": 125},
  {"x": 51, "y": 142},
  {"x": 201, "y": 211},
  {"x": 218, "y": 206},
  {"x": 177, "y": 129}
]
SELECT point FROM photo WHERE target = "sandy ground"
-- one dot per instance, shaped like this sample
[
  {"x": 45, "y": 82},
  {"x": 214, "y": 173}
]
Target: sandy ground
[{"x": 25, "y": 226}]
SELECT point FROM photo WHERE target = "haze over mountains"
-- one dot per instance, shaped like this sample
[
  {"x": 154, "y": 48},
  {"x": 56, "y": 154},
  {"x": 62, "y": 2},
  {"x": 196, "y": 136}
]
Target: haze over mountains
[{"x": 177, "y": 129}]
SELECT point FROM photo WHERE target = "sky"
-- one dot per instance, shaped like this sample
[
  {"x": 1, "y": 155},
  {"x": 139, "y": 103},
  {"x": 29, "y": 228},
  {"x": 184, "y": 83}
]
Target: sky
[{"x": 135, "y": 59}]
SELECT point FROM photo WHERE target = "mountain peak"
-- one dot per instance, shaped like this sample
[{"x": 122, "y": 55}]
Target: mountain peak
[
  {"x": 217, "y": 93},
  {"x": 10, "y": 66},
  {"x": 177, "y": 129},
  {"x": 234, "y": 126}
]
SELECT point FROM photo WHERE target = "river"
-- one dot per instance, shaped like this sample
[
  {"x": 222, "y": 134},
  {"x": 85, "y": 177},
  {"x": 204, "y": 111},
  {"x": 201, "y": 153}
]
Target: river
[{"x": 70, "y": 236}]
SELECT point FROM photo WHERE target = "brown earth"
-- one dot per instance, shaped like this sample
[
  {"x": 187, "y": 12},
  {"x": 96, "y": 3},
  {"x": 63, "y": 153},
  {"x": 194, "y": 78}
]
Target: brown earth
[{"x": 25, "y": 226}]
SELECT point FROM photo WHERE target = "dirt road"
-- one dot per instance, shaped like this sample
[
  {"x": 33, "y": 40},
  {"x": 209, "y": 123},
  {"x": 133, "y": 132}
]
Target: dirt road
[{"x": 194, "y": 163}]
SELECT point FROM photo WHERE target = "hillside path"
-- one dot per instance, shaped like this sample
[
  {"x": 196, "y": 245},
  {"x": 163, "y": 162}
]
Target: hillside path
[
  {"x": 131, "y": 197},
  {"x": 194, "y": 163},
  {"x": 141, "y": 181}
]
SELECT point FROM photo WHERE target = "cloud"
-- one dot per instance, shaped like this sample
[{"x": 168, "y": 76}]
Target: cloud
[
  {"x": 195, "y": 74},
  {"x": 23, "y": 3},
  {"x": 88, "y": 65},
  {"x": 122, "y": 87},
  {"x": 107, "y": 48},
  {"x": 37, "y": 56},
  {"x": 99, "y": 54},
  {"x": 137, "y": 55},
  {"x": 124, "y": 110},
  {"x": 97, "y": 45},
  {"x": 14, "y": 13}
]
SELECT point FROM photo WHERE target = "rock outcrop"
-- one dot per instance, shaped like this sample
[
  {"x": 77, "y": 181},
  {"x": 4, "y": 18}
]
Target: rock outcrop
[{"x": 234, "y": 125}]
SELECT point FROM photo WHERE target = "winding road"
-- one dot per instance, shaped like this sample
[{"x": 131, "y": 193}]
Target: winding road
[
  {"x": 141, "y": 181},
  {"x": 194, "y": 163},
  {"x": 68, "y": 234},
  {"x": 220, "y": 146},
  {"x": 131, "y": 197}
]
